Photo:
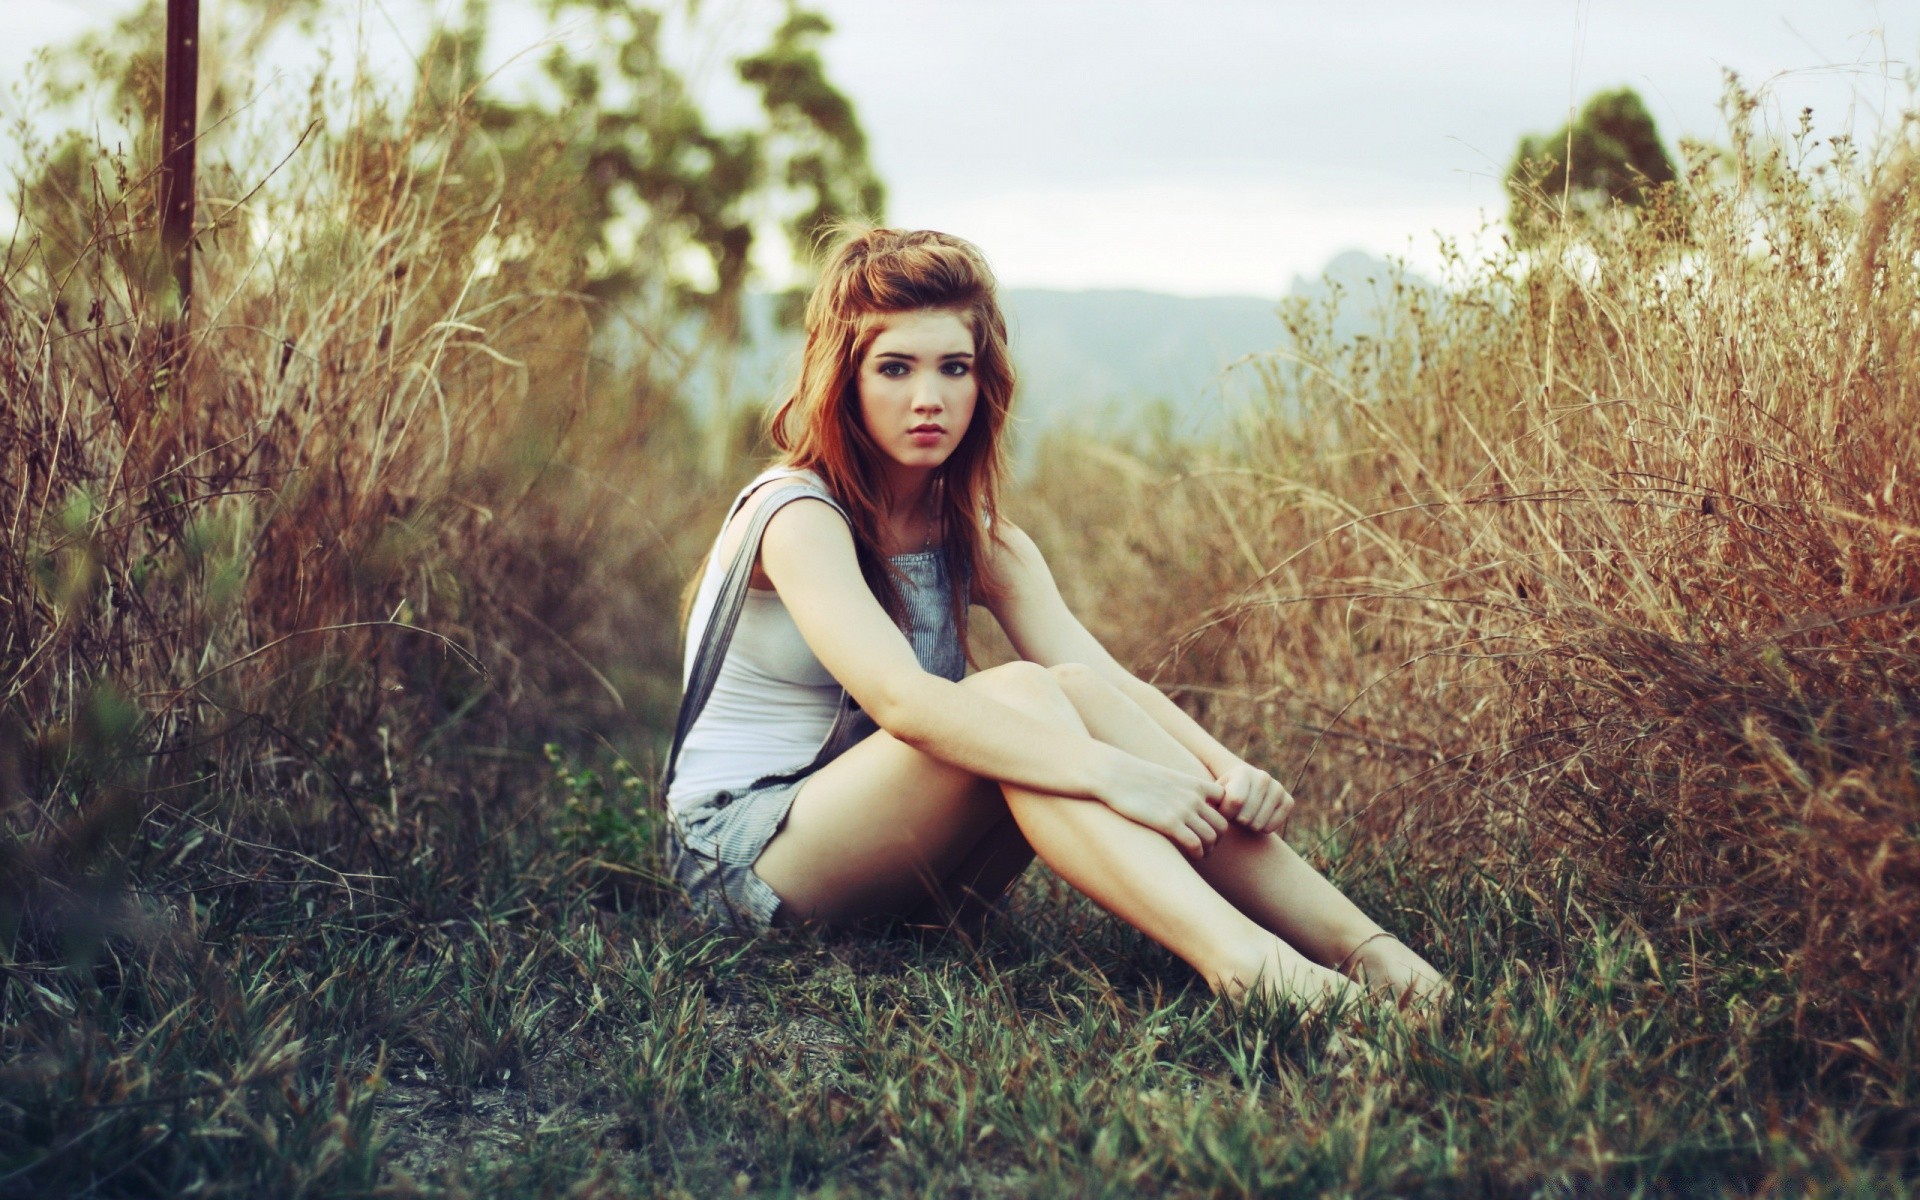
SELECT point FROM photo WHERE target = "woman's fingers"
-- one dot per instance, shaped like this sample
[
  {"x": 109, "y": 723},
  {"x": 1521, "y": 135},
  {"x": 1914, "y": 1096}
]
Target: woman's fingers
[
  {"x": 1235, "y": 795},
  {"x": 1187, "y": 839},
  {"x": 1250, "y": 812},
  {"x": 1204, "y": 833},
  {"x": 1275, "y": 818},
  {"x": 1182, "y": 808},
  {"x": 1202, "y": 818},
  {"x": 1270, "y": 808},
  {"x": 1267, "y": 806},
  {"x": 1283, "y": 814},
  {"x": 1198, "y": 830},
  {"x": 1214, "y": 819},
  {"x": 1254, "y": 798}
]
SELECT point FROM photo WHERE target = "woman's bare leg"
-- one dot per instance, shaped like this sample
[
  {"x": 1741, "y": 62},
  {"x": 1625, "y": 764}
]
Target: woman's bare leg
[
  {"x": 968, "y": 896},
  {"x": 879, "y": 829},
  {"x": 1136, "y": 874},
  {"x": 1259, "y": 873}
]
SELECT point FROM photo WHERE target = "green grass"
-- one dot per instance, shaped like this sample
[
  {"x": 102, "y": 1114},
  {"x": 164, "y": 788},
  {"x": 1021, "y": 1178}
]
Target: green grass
[{"x": 516, "y": 1007}]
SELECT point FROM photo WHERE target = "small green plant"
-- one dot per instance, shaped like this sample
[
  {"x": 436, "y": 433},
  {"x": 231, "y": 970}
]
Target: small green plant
[{"x": 612, "y": 820}]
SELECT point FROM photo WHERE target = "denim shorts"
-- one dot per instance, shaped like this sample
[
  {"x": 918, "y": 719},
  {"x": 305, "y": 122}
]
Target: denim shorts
[{"x": 717, "y": 838}]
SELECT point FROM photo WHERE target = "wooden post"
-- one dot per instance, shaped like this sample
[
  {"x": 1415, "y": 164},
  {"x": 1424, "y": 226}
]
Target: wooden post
[{"x": 179, "y": 117}]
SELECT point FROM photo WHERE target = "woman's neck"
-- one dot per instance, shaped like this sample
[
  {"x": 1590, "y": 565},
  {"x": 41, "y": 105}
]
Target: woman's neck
[
  {"x": 908, "y": 508},
  {"x": 907, "y": 493}
]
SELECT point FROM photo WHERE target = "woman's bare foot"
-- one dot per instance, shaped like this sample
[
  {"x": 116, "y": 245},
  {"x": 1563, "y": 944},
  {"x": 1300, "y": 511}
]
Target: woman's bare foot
[
  {"x": 1385, "y": 963},
  {"x": 1283, "y": 973}
]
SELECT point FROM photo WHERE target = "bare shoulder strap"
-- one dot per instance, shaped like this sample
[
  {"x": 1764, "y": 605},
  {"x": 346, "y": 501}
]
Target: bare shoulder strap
[{"x": 725, "y": 616}]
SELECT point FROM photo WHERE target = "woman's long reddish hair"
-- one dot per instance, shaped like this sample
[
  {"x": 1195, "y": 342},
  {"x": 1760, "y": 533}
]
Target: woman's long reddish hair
[{"x": 871, "y": 274}]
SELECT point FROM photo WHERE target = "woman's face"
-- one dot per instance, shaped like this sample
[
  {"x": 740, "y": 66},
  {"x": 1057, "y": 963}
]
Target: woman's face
[{"x": 917, "y": 388}]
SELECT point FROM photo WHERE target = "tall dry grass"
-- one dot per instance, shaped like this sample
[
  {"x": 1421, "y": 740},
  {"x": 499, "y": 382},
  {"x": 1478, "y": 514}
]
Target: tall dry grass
[
  {"x": 1598, "y": 571},
  {"x": 393, "y": 500}
]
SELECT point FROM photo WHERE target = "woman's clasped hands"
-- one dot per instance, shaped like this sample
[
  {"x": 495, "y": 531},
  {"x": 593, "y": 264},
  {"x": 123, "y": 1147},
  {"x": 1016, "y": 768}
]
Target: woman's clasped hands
[
  {"x": 1190, "y": 811},
  {"x": 1255, "y": 799}
]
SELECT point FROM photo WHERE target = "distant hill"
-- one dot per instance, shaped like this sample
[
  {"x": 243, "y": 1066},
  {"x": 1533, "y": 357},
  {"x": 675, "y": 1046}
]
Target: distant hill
[
  {"x": 1103, "y": 354},
  {"x": 1092, "y": 357},
  {"x": 1360, "y": 278}
]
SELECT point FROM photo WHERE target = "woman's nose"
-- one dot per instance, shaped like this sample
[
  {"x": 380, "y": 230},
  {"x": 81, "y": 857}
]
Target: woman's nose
[{"x": 926, "y": 396}]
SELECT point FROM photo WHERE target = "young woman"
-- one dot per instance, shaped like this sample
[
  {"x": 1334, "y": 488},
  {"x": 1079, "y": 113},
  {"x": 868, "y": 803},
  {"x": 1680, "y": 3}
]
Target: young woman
[{"x": 834, "y": 761}]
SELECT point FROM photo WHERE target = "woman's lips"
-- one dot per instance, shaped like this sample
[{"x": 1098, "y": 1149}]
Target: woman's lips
[{"x": 926, "y": 435}]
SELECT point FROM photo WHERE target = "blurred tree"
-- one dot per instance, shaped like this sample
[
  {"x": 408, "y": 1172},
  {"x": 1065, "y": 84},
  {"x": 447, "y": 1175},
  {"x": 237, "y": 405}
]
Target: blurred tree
[
  {"x": 668, "y": 206},
  {"x": 665, "y": 207},
  {"x": 1618, "y": 165},
  {"x": 818, "y": 136}
]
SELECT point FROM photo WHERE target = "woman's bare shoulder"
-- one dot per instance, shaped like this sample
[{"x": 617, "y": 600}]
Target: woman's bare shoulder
[
  {"x": 806, "y": 517},
  {"x": 1013, "y": 556},
  {"x": 1006, "y": 538}
]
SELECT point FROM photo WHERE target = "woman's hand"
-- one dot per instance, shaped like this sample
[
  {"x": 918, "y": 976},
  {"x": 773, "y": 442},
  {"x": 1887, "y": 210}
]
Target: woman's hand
[
  {"x": 1254, "y": 798},
  {"x": 1173, "y": 803}
]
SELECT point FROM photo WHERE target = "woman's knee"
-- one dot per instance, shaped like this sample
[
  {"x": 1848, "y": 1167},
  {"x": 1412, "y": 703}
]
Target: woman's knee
[
  {"x": 1093, "y": 695},
  {"x": 1027, "y": 686},
  {"x": 1079, "y": 681}
]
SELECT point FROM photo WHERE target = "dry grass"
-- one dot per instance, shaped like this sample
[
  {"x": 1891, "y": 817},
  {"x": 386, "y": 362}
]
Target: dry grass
[
  {"x": 389, "y": 491},
  {"x": 1600, "y": 572}
]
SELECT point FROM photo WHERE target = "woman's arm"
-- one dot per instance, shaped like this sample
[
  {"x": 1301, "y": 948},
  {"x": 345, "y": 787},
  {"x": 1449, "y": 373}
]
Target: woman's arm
[
  {"x": 808, "y": 556},
  {"x": 1042, "y": 629}
]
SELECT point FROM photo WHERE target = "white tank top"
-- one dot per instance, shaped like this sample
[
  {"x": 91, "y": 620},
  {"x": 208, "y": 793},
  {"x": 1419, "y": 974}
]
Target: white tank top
[{"x": 773, "y": 703}]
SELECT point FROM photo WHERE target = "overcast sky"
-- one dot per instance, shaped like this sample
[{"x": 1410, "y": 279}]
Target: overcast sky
[{"x": 1224, "y": 146}]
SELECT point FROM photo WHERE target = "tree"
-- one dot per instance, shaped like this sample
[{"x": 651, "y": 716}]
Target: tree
[
  {"x": 1618, "y": 167},
  {"x": 824, "y": 147},
  {"x": 664, "y": 207},
  {"x": 668, "y": 207}
]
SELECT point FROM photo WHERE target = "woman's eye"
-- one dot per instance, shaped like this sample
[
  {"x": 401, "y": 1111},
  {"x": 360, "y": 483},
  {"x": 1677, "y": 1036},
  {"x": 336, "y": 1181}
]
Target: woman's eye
[
  {"x": 893, "y": 370},
  {"x": 957, "y": 368}
]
